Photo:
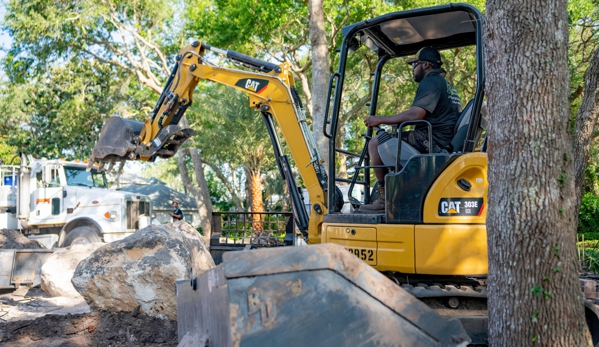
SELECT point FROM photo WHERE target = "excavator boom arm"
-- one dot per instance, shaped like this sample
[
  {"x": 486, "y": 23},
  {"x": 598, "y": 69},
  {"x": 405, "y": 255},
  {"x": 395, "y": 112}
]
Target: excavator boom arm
[{"x": 271, "y": 90}]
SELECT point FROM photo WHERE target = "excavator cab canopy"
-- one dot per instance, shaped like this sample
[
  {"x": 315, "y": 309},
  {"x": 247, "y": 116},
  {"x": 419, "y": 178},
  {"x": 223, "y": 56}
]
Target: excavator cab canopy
[
  {"x": 397, "y": 35},
  {"x": 403, "y": 33}
]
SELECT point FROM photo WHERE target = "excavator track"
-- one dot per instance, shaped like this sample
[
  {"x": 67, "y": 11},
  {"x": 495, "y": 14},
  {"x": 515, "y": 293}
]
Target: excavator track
[
  {"x": 462, "y": 298},
  {"x": 465, "y": 299}
]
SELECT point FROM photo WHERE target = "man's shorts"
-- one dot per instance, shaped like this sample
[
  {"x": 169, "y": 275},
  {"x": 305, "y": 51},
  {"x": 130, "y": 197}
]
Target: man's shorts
[{"x": 416, "y": 139}]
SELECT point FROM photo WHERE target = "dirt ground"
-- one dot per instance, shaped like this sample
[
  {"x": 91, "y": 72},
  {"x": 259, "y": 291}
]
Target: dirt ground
[
  {"x": 33, "y": 319},
  {"x": 102, "y": 329},
  {"x": 30, "y": 317}
]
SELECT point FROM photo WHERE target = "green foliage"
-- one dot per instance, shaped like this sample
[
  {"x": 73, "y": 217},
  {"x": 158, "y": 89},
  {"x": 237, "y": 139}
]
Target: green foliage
[
  {"x": 588, "y": 219},
  {"x": 221, "y": 201},
  {"x": 537, "y": 290},
  {"x": 236, "y": 24},
  {"x": 228, "y": 129},
  {"x": 9, "y": 155},
  {"x": 593, "y": 236},
  {"x": 62, "y": 116},
  {"x": 590, "y": 260},
  {"x": 52, "y": 31}
]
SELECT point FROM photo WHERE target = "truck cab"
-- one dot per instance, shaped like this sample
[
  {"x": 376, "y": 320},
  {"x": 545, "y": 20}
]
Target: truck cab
[{"x": 61, "y": 201}]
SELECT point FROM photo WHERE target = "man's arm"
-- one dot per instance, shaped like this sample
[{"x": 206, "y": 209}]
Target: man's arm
[
  {"x": 175, "y": 215},
  {"x": 413, "y": 113}
]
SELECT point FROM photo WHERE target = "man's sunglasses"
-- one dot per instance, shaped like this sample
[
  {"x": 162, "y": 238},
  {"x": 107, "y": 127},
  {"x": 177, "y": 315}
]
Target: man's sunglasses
[{"x": 416, "y": 63}]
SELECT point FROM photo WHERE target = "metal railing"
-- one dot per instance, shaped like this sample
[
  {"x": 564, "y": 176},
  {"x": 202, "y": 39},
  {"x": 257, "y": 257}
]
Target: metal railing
[{"x": 262, "y": 229}]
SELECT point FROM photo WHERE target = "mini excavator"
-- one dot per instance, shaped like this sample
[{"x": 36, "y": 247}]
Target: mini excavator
[{"x": 431, "y": 240}]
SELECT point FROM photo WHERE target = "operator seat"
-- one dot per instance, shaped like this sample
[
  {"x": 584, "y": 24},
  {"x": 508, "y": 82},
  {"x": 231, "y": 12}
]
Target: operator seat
[{"x": 461, "y": 127}]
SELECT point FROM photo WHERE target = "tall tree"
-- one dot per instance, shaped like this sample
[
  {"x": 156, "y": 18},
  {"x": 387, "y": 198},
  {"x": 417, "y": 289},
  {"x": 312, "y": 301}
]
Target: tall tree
[
  {"x": 534, "y": 294},
  {"x": 585, "y": 126},
  {"x": 320, "y": 74}
]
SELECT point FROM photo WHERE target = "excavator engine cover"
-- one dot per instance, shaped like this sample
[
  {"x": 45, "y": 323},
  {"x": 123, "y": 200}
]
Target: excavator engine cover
[{"x": 318, "y": 295}]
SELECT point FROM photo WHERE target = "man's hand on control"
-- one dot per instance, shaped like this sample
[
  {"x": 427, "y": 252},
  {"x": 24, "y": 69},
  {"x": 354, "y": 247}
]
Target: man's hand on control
[{"x": 372, "y": 121}]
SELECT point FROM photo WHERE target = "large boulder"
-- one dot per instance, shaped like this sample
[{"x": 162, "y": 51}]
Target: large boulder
[
  {"x": 58, "y": 270},
  {"x": 140, "y": 271}
]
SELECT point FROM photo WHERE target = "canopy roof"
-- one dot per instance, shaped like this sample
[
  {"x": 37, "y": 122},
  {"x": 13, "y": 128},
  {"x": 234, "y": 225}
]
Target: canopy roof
[{"x": 404, "y": 33}]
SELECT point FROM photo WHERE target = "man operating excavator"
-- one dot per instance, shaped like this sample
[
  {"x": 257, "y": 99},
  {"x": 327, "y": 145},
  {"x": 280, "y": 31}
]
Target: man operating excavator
[{"x": 436, "y": 101}]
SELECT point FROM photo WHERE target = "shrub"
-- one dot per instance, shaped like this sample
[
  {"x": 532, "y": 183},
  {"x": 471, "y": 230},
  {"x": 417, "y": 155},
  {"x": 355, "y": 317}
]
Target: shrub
[
  {"x": 588, "y": 219},
  {"x": 590, "y": 261},
  {"x": 588, "y": 236}
]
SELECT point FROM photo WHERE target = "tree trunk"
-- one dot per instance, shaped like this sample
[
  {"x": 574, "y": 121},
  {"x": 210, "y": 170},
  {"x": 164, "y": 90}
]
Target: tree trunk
[
  {"x": 201, "y": 196},
  {"x": 205, "y": 206},
  {"x": 197, "y": 195},
  {"x": 256, "y": 192},
  {"x": 586, "y": 123},
  {"x": 534, "y": 292},
  {"x": 320, "y": 76}
]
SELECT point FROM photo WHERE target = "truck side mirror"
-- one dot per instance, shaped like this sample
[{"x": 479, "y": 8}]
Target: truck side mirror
[{"x": 64, "y": 193}]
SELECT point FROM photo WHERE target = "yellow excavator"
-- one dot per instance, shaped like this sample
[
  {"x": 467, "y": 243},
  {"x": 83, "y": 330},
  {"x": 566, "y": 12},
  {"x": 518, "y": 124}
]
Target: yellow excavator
[{"x": 431, "y": 240}]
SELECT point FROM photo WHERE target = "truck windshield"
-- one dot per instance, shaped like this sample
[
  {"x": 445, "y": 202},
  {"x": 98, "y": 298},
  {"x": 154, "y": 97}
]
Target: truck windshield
[{"x": 77, "y": 176}]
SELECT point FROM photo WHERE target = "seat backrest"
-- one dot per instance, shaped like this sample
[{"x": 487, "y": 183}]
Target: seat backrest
[{"x": 461, "y": 127}]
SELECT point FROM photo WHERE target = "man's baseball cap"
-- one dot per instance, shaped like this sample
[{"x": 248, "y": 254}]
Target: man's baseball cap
[{"x": 427, "y": 54}]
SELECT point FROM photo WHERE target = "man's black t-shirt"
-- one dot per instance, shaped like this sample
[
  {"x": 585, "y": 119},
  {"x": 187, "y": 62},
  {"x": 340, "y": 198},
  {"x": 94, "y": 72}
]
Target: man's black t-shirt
[
  {"x": 179, "y": 212},
  {"x": 442, "y": 105}
]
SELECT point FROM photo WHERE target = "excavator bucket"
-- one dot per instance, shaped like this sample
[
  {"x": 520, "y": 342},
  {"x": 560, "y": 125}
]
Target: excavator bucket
[
  {"x": 120, "y": 141},
  {"x": 318, "y": 295}
]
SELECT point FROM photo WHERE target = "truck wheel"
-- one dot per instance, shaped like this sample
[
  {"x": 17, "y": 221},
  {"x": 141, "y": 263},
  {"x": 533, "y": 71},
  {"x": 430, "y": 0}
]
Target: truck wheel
[{"x": 81, "y": 235}]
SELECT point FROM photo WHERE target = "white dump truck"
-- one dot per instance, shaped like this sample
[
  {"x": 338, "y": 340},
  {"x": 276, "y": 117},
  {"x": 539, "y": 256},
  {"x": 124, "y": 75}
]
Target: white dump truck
[{"x": 60, "y": 203}]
